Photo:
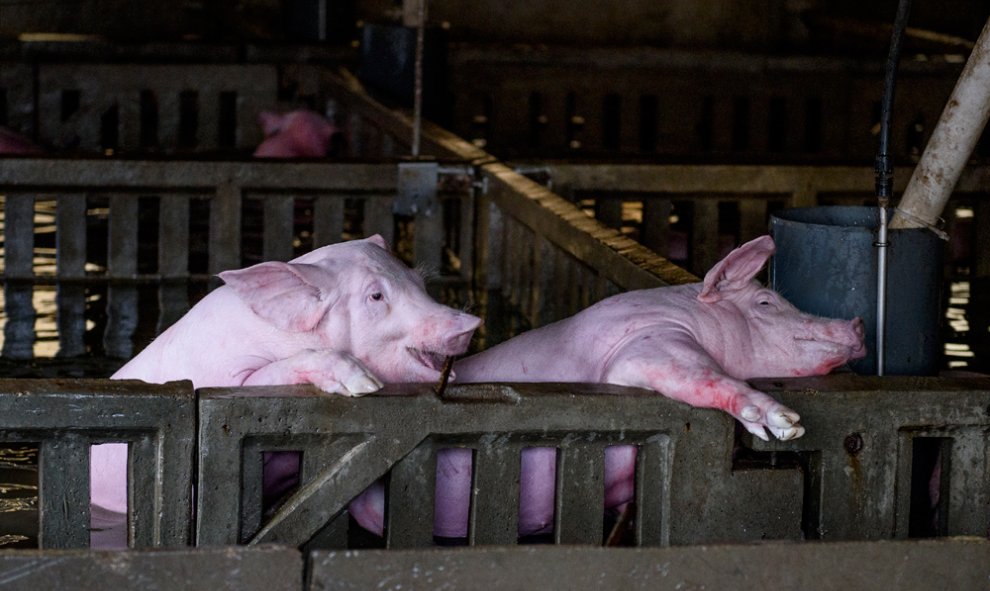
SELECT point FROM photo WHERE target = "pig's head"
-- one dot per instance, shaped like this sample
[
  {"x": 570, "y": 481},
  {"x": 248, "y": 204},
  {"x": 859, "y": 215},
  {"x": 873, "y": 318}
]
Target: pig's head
[
  {"x": 359, "y": 298},
  {"x": 296, "y": 134},
  {"x": 779, "y": 339}
]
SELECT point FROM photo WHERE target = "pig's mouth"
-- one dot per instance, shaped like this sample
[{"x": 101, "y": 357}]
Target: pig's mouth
[
  {"x": 431, "y": 359},
  {"x": 842, "y": 352}
]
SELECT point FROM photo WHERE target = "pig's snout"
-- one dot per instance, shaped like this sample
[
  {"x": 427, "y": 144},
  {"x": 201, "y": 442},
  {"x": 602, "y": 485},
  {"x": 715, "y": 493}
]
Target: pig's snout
[
  {"x": 458, "y": 333},
  {"x": 858, "y": 347}
]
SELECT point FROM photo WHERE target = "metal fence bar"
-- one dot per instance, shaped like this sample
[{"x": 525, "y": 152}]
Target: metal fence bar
[
  {"x": 122, "y": 254},
  {"x": 18, "y": 331},
  {"x": 173, "y": 258},
  {"x": 411, "y": 487},
  {"x": 278, "y": 227},
  {"x": 328, "y": 220},
  {"x": 70, "y": 221},
  {"x": 225, "y": 228},
  {"x": 494, "y": 510},
  {"x": 63, "y": 490},
  {"x": 67, "y": 416}
]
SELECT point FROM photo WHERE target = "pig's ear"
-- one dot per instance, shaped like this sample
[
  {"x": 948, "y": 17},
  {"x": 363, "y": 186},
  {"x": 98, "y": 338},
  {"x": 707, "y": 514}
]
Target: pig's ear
[
  {"x": 270, "y": 122},
  {"x": 736, "y": 269},
  {"x": 282, "y": 293},
  {"x": 378, "y": 241}
]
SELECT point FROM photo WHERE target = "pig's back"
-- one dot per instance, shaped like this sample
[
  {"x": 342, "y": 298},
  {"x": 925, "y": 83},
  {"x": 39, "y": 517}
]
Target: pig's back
[{"x": 576, "y": 349}]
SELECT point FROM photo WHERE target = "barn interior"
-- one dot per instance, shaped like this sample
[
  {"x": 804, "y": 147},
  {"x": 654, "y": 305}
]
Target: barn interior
[{"x": 535, "y": 158}]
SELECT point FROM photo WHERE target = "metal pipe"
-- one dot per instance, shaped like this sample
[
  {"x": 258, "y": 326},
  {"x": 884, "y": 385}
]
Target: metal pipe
[
  {"x": 418, "y": 92},
  {"x": 952, "y": 142},
  {"x": 885, "y": 175}
]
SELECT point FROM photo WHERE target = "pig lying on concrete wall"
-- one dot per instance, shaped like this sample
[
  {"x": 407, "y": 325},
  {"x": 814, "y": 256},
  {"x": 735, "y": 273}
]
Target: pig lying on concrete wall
[
  {"x": 695, "y": 343},
  {"x": 345, "y": 317}
]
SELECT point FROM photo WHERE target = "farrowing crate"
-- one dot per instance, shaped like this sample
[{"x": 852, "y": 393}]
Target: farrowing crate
[{"x": 700, "y": 499}]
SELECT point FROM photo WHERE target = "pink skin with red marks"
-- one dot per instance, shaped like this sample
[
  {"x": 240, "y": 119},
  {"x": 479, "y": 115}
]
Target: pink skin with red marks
[
  {"x": 345, "y": 317},
  {"x": 296, "y": 134},
  {"x": 695, "y": 343}
]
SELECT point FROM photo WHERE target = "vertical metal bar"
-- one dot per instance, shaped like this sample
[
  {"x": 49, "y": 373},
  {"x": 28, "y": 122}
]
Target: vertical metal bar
[
  {"x": 328, "y": 220},
  {"x": 410, "y": 499},
  {"x": 495, "y": 495},
  {"x": 580, "y": 494},
  {"x": 429, "y": 238},
  {"x": 144, "y": 479},
  {"x": 418, "y": 96},
  {"x": 654, "y": 231},
  {"x": 278, "y": 227},
  {"x": 378, "y": 218},
  {"x": 70, "y": 222},
  {"x": 122, "y": 250},
  {"x": 885, "y": 175},
  {"x": 18, "y": 331},
  {"x": 225, "y": 229},
  {"x": 704, "y": 242},
  {"x": 652, "y": 526},
  {"x": 63, "y": 490},
  {"x": 173, "y": 258}
]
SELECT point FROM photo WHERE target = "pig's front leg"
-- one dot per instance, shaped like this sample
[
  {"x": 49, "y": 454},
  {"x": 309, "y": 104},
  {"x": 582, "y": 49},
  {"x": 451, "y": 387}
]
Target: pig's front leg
[
  {"x": 678, "y": 368},
  {"x": 332, "y": 371}
]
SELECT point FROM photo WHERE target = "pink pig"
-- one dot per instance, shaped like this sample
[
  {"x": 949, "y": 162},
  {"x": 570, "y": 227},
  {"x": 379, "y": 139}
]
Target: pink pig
[
  {"x": 694, "y": 343},
  {"x": 345, "y": 317},
  {"x": 12, "y": 142},
  {"x": 296, "y": 134}
]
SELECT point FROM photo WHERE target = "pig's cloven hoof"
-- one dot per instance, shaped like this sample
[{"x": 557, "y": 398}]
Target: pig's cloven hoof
[
  {"x": 782, "y": 423},
  {"x": 359, "y": 385}
]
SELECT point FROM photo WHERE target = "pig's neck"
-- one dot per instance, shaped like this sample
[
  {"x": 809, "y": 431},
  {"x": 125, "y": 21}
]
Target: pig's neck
[
  {"x": 723, "y": 332},
  {"x": 240, "y": 343}
]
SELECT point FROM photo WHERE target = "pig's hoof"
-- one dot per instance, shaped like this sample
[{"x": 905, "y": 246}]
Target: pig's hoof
[
  {"x": 359, "y": 385},
  {"x": 784, "y": 424},
  {"x": 792, "y": 433}
]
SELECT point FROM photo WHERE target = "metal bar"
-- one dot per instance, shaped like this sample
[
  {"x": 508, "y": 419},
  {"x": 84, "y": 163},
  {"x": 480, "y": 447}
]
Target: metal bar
[
  {"x": 189, "y": 175},
  {"x": 495, "y": 495},
  {"x": 70, "y": 221},
  {"x": 580, "y": 494},
  {"x": 225, "y": 228},
  {"x": 278, "y": 227},
  {"x": 122, "y": 252},
  {"x": 410, "y": 499},
  {"x": 328, "y": 220},
  {"x": 63, "y": 491}
]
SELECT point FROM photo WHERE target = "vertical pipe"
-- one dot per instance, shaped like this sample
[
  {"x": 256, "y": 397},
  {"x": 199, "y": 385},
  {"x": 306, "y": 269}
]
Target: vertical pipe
[
  {"x": 418, "y": 92},
  {"x": 952, "y": 142},
  {"x": 885, "y": 175}
]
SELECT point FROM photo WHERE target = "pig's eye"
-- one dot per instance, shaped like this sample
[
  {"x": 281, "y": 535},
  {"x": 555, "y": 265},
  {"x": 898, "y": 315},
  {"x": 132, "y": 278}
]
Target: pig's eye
[{"x": 377, "y": 296}]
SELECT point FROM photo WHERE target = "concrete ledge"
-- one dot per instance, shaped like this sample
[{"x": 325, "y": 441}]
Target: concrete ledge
[{"x": 960, "y": 563}]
